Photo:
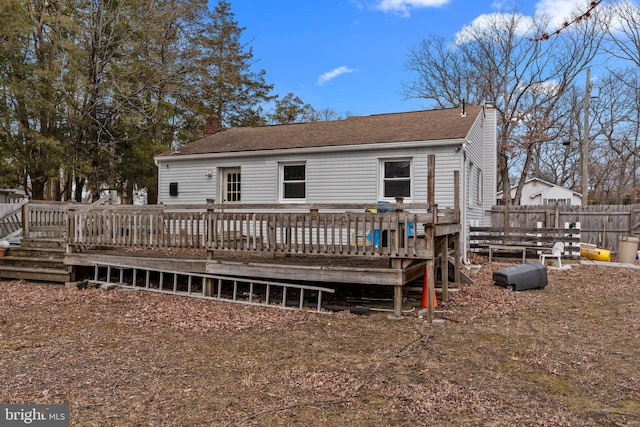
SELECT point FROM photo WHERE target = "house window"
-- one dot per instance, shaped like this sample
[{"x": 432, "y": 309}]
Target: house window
[
  {"x": 557, "y": 202},
  {"x": 173, "y": 189},
  {"x": 396, "y": 178},
  {"x": 293, "y": 179},
  {"x": 479, "y": 185}
]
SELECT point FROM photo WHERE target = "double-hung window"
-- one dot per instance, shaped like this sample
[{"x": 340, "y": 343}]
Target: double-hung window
[
  {"x": 479, "y": 186},
  {"x": 396, "y": 178},
  {"x": 293, "y": 182}
]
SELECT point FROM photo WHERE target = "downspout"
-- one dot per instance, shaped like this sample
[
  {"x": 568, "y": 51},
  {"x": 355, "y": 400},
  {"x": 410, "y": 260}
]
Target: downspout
[{"x": 463, "y": 206}]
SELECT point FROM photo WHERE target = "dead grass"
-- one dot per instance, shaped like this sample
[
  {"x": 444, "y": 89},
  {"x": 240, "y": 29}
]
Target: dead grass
[{"x": 565, "y": 355}]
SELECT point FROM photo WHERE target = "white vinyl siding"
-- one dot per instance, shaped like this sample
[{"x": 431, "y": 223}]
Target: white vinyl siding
[
  {"x": 195, "y": 185},
  {"x": 480, "y": 190},
  {"x": 341, "y": 177}
]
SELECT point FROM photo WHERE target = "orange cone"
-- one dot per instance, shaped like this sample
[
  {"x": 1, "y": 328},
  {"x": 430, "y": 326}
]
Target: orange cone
[{"x": 424, "y": 293}]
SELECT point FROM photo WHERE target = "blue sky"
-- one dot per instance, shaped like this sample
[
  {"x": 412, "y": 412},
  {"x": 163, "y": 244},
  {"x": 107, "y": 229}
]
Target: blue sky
[{"x": 350, "y": 55}]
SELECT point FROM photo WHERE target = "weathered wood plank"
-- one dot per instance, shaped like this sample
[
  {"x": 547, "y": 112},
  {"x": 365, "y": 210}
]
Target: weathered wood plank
[{"x": 369, "y": 276}]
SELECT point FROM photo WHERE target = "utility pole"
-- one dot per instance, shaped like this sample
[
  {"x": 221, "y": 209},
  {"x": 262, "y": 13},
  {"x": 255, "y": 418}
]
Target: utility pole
[
  {"x": 634, "y": 198},
  {"x": 585, "y": 143}
]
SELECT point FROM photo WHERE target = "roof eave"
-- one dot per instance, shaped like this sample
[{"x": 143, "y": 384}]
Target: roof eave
[{"x": 314, "y": 150}]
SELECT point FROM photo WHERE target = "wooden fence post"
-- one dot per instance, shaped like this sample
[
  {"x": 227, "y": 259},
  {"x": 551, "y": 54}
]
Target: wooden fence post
[{"x": 25, "y": 220}]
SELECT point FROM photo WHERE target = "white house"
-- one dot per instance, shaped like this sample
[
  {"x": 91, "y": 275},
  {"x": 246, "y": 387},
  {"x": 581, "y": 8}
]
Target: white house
[
  {"x": 539, "y": 192},
  {"x": 361, "y": 159}
]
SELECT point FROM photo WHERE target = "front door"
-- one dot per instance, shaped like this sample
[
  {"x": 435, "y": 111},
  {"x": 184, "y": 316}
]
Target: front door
[{"x": 231, "y": 185}]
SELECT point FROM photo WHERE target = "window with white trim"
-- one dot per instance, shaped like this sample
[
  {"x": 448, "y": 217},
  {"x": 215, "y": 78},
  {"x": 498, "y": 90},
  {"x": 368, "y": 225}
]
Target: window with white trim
[
  {"x": 479, "y": 185},
  {"x": 293, "y": 182},
  {"x": 557, "y": 202},
  {"x": 396, "y": 177}
]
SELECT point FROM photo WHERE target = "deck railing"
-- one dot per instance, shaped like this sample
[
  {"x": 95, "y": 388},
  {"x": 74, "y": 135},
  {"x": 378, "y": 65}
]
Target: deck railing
[
  {"x": 148, "y": 226},
  {"x": 44, "y": 219},
  {"x": 343, "y": 230},
  {"x": 393, "y": 234},
  {"x": 11, "y": 219}
]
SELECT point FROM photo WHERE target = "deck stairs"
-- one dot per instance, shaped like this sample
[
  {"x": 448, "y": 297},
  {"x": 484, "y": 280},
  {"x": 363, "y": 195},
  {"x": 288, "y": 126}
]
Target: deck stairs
[
  {"x": 242, "y": 290},
  {"x": 39, "y": 260}
]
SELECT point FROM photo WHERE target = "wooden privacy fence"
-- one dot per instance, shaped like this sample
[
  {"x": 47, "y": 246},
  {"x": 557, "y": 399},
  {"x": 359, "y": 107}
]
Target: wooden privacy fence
[
  {"x": 350, "y": 230},
  {"x": 602, "y": 225}
]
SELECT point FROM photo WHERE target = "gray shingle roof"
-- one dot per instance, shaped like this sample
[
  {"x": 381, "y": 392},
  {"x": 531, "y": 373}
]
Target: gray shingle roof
[{"x": 380, "y": 128}]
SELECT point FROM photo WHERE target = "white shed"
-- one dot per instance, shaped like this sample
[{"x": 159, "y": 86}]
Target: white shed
[{"x": 539, "y": 192}]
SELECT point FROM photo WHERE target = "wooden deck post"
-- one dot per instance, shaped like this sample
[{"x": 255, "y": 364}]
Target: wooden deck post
[
  {"x": 430, "y": 271},
  {"x": 457, "y": 255},
  {"x": 429, "y": 234},
  {"x": 397, "y": 302},
  {"x": 25, "y": 220},
  {"x": 444, "y": 256}
]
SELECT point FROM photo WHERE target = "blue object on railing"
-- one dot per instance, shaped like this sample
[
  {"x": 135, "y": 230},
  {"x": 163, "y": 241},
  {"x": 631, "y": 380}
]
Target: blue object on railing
[
  {"x": 376, "y": 233},
  {"x": 377, "y": 242},
  {"x": 381, "y": 210}
]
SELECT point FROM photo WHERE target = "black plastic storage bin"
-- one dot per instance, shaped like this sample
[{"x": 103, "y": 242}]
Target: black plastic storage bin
[{"x": 530, "y": 275}]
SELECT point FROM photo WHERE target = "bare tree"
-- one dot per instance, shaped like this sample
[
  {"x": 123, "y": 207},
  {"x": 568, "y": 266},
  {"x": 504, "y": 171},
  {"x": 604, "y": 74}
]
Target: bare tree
[
  {"x": 441, "y": 74},
  {"x": 623, "y": 37},
  {"x": 623, "y": 31},
  {"x": 558, "y": 160},
  {"x": 615, "y": 129},
  {"x": 504, "y": 60}
]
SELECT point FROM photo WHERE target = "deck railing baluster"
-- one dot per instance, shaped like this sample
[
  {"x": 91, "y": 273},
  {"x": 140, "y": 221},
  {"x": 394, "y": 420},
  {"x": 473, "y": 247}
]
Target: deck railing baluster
[{"x": 350, "y": 233}]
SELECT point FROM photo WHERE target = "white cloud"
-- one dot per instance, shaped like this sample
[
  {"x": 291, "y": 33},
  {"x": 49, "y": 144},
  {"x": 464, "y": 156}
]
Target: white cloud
[
  {"x": 558, "y": 11},
  {"x": 404, "y": 6},
  {"x": 502, "y": 4},
  {"x": 549, "y": 88},
  {"x": 523, "y": 25},
  {"x": 330, "y": 75}
]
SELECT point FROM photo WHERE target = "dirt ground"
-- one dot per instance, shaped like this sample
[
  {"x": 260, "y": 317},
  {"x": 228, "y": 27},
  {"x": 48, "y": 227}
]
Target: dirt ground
[{"x": 566, "y": 355}]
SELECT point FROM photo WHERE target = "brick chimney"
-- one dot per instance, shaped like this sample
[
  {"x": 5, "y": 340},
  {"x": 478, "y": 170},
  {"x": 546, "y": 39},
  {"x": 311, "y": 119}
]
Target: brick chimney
[{"x": 213, "y": 125}]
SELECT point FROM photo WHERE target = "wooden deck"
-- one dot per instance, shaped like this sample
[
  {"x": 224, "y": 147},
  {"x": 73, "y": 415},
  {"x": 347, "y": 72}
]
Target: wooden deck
[
  {"x": 367, "y": 244},
  {"x": 332, "y": 270},
  {"x": 377, "y": 245}
]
